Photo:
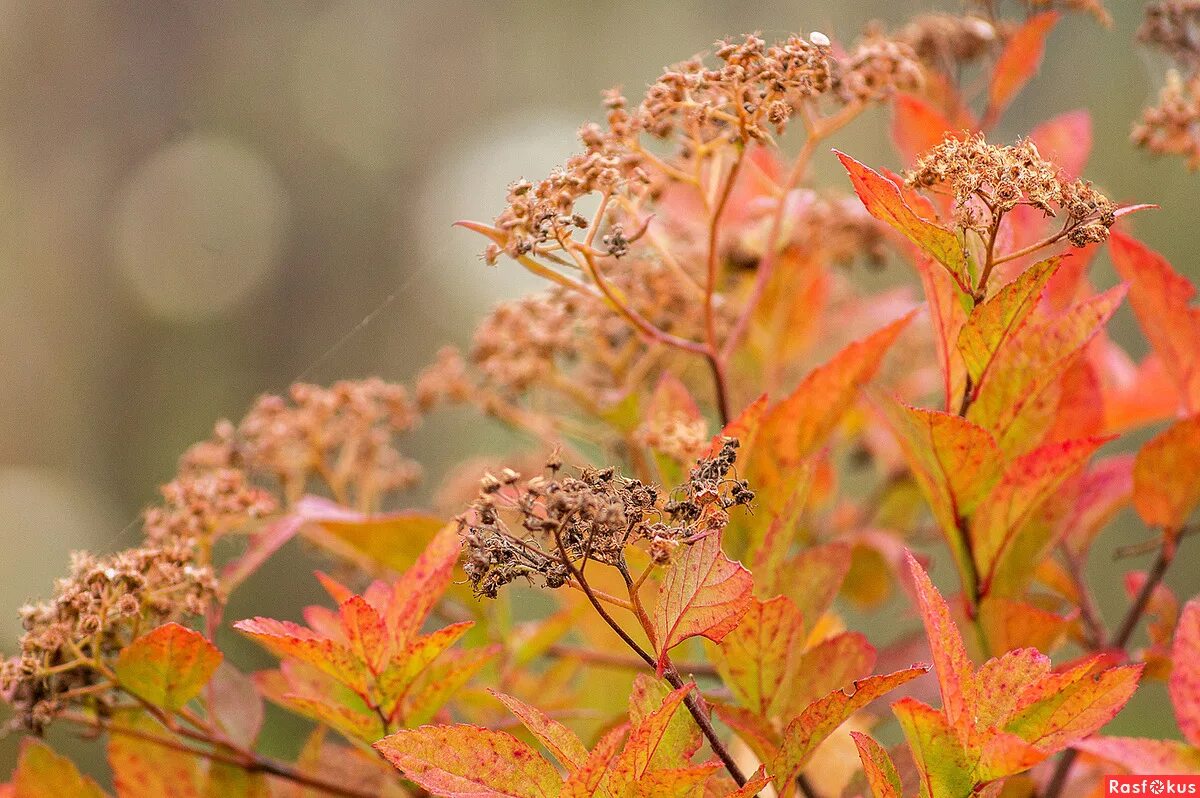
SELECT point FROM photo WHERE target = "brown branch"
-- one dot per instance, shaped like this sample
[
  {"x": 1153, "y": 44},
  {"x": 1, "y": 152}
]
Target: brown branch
[
  {"x": 1120, "y": 639},
  {"x": 247, "y": 761}
]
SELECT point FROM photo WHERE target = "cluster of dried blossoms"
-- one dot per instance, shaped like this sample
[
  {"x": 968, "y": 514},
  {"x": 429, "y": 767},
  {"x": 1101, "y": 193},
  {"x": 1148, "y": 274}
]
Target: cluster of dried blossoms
[
  {"x": 71, "y": 640},
  {"x": 547, "y": 530},
  {"x": 1172, "y": 127},
  {"x": 341, "y": 437},
  {"x": 987, "y": 181}
]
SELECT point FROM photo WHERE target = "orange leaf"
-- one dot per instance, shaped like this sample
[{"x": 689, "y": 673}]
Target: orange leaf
[
  {"x": 167, "y": 666},
  {"x": 884, "y": 201},
  {"x": 917, "y": 126},
  {"x": 141, "y": 768},
  {"x": 634, "y": 761},
  {"x": 41, "y": 773},
  {"x": 563, "y": 743},
  {"x": 881, "y": 773},
  {"x": 760, "y": 660},
  {"x": 703, "y": 593},
  {"x": 801, "y": 422},
  {"x": 287, "y": 639},
  {"x": 422, "y": 585},
  {"x": 585, "y": 781},
  {"x": 462, "y": 761},
  {"x": 1015, "y": 401},
  {"x": 948, "y": 315},
  {"x": 1166, "y": 475},
  {"x": 1184, "y": 683},
  {"x": 1020, "y": 61},
  {"x": 823, "y": 717},
  {"x": 954, "y": 670},
  {"x": 1161, "y": 299},
  {"x": 994, "y": 321},
  {"x": 1028, "y": 482},
  {"x": 946, "y": 769},
  {"x": 954, "y": 462},
  {"x": 682, "y": 738}
]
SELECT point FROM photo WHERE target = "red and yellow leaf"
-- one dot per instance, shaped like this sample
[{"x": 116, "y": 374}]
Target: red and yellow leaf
[
  {"x": 881, "y": 773},
  {"x": 917, "y": 126},
  {"x": 760, "y": 660},
  {"x": 563, "y": 743},
  {"x": 167, "y": 666},
  {"x": 704, "y": 593},
  {"x": 464, "y": 761},
  {"x": 1145, "y": 757},
  {"x": 883, "y": 200},
  {"x": 954, "y": 670},
  {"x": 1184, "y": 683}
]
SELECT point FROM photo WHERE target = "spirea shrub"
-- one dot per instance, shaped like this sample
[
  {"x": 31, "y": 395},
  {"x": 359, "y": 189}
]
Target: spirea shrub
[{"x": 731, "y": 440}]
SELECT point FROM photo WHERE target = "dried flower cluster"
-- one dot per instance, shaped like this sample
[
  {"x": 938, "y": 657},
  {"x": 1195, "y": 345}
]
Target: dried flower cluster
[
  {"x": 552, "y": 526},
  {"x": 988, "y": 181},
  {"x": 342, "y": 436},
  {"x": 1172, "y": 127},
  {"x": 199, "y": 507},
  {"x": 96, "y": 611},
  {"x": 948, "y": 41},
  {"x": 754, "y": 89}
]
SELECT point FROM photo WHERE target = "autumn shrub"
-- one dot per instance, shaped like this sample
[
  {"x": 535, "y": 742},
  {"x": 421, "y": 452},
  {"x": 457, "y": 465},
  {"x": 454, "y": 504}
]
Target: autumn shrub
[{"x": 734, "y": 434}]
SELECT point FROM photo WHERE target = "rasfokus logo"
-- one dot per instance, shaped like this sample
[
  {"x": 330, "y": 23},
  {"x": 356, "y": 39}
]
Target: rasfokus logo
[{"x": 1152, "y": 785}]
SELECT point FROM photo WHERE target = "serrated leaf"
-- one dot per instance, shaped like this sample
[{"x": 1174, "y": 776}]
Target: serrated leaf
[
  {"x": 563, "y": 743},
  {"x": 994, "y": 321},
  {"x": 954, "y": 462},
  {"x": 422, "y": 585},
  {"x": 167, "y": 666},
  {"x": 1019, "y": 61},
  {"x": 41, "y": 773},
  {"x": 1161, "y": 300},
  {"x": 440, "y": 681},
  {"x": 948, "y": 313},
  {"x": 821, "y": 718},
  {"x": 880, "y": 771},
  {"x": 1014, "y": 402},
  {"x": 286, "y": 639},
  {"x": 1028, "y": 482},
  {"x": 462, "y": 761},
  {"x": 586, "y": 780},
  {"x": 760, "y": 660},
  {"x": 636, "y": 758},
  {"x": 945, "y": 768},
  {"x": 682, "y": 738},
  {"x": 1184, "y": 683},
  {"x": 703, "y": 593},
  {"x": 884, "y": 200},
  {"x": 799, "y": 424},
  {"x": 954, "y": 670},
  {"x": 1067, "y": 707},
  {"x": 1166, "y": 476}
]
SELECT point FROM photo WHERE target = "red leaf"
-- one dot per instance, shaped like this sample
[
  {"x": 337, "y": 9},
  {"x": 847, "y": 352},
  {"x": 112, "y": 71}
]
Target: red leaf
[
  {"x": 585, "y": 781},
  {"x": 948, "y": 315},
  {"x": 635, "y": 759},
  {"x": 1145, "y": 757},
  {"x": 1161, "y": 300},
  {"x": 1166, "y": 475},
  {"x": 1066, "y": 140},
  {"x": 703, "y": 593},
  {"x": 1029, "y": 481},
  {"x": 953, "y": 668},
  {"x": 884, "y": 201},
  {"x": 463, "y": 761},
  {"x": 167, "y": 666},
  {"x": 917, "y": 126},
  {"x": 563, "y": 743},
  {"x": 1019, "y": 62},
  {"x": 1184, "y": 683}
]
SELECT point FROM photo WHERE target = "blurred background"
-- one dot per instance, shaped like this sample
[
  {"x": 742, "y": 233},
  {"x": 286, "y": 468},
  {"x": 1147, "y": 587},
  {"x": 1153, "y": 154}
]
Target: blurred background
[{"x": 203, "y": 201}]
